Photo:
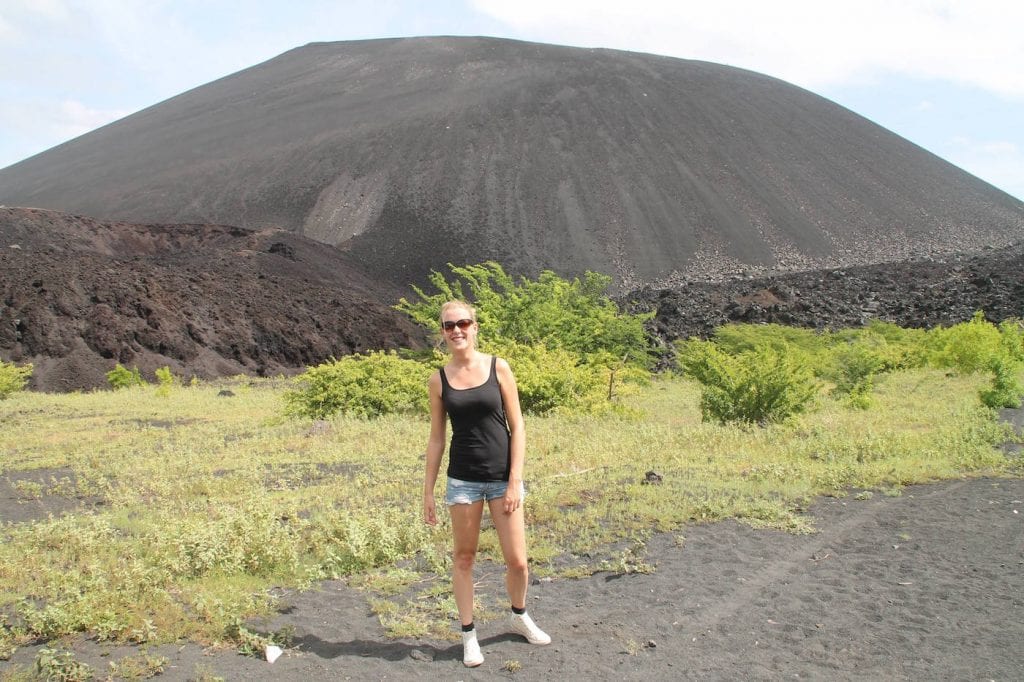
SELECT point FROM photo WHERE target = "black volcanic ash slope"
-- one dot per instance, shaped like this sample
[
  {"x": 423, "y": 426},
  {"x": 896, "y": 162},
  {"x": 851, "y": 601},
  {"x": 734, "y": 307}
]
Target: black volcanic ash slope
[
  {"x": 411, "y": 153},
  {"x": 207, "y": 300}
]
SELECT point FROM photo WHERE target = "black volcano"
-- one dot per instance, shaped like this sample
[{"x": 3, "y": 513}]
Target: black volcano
[{"x": 411, "y": 153}]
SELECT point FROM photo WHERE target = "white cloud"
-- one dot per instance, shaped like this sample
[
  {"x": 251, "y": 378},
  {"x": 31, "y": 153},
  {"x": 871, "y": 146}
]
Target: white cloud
[
  {"x": 808, "y": 42},
  {"x": 146, "y": 39},
  {"x": 29, "y": 10}
]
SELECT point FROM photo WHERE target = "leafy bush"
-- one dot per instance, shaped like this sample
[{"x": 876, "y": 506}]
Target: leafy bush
[
  {"x": 13, "y": 378},
  {"x": 1011, "y": 338},
  {"x": 121, "y": 377},
  {"x": 809, "y": 345},
  {"x": 967, "y": 347},
  {"x": 857, "y": 365},
  {"x": 367, "y": 385},
  {"x": 1006, "y": 389},
  {"x": 570, "y": 346},
  {"x": 757, "y": 386},
  {"x": 980, "y": 346},
  {"x": 553, "y": 379},
  {"x": 60, "y": 665},
  {"x": 573, "y": 315},
  {"x": 231, "y": 538},
  {"x": 897, "y": 348},
  {"x": 166, "y": 381},
  {"x": 358, "y": 541},
  {"x": 164, "y": 377}
]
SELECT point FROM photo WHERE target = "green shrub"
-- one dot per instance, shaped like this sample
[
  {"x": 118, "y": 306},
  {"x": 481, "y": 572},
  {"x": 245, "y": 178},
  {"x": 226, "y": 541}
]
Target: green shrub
[
  {"x": 141, "y": 666},
  {"x": 573, "y": 315},
  {"x": 164, "y": 377},
  {"x": 13, "y": 378},
  {"x": 61, "y": 666},
  {"x": 807, "y": 344},
  {"x": 570, "y": 346},
  {"x": 980, "y": 346},
  {"x": 826, "y": 352},
  {"x": 360, "y": 540},
  {"x": 1011, "y": 338},
  {"x": 166, "y": 381},
  {"x": 857, "y": 365},
  {"x": 551, "y": 379},
  {"x": 367, "y": 385},
  {"x": 1006, "y": 389},
  {"x": 758, "y": 386},
  {"x": 896, "y": 347},
  {"x": 967, "y": 347},
  {"x": 121, "y": 377},
  {"x": 246, "y": 538}
]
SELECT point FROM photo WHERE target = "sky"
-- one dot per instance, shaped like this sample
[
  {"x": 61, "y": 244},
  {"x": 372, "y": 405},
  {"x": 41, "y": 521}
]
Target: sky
[{"x": 946, "y": 74}]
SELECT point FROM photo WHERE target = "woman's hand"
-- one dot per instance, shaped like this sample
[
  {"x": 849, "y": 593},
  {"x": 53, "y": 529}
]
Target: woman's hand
[
  {"x": 513, "y": 495},
  {"x": 429, "y": 510}
]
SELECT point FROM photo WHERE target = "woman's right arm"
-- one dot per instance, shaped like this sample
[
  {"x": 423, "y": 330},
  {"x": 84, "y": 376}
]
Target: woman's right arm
[{"x": 435, "y": 448}]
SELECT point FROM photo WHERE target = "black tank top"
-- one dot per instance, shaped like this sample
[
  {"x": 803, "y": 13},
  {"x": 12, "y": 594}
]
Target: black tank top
[{"x": 481, "y": 445}]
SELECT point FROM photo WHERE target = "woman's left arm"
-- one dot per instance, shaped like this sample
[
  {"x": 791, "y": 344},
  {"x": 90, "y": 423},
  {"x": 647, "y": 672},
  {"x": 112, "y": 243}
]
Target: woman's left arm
[{"x": 514, "y": 417}]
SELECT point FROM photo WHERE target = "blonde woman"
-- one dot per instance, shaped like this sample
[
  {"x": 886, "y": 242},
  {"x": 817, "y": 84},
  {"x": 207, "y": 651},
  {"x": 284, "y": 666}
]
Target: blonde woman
[{"x": 478, "y": 394}]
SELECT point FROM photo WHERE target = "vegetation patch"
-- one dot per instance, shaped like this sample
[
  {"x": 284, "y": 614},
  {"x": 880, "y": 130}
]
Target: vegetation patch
[{"x": 13, "y": 378}]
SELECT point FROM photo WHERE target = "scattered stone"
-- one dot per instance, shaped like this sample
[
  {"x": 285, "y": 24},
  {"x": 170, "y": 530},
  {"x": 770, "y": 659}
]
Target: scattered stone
[
  {"x": 282, "y": 249},
  {"x": 226, "y": 393},
  {"x": 651, "y": 478},
  {"x": 420, "y": 655}
]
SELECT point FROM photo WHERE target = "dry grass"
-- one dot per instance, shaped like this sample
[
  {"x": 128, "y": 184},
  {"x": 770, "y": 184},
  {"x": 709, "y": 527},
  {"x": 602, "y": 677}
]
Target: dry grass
[{"x": 209, "y": 501}]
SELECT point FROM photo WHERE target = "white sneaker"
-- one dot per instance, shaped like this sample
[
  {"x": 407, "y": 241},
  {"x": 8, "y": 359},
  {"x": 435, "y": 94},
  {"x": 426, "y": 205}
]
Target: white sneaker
[
  {"x": 471, "y": 656},
  {"x": 524, "y": 625}
]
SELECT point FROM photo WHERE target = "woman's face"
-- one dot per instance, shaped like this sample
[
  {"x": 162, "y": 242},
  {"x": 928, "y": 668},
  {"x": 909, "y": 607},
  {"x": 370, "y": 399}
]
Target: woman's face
[{"x": 458, "y": 327}]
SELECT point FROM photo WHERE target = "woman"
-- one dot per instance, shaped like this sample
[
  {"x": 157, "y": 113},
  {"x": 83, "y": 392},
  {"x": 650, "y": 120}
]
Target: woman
[{"x": 478, "y": 393}]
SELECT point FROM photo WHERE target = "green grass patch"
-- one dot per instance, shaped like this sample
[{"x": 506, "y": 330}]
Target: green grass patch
[{"x": 207, "y": 502}]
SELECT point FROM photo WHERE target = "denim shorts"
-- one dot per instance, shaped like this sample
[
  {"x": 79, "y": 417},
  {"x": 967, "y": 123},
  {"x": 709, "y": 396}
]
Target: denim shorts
[{"x": 468, "y": 492}]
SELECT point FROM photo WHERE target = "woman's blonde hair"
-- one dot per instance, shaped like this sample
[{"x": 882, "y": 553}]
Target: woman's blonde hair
[{"x": 448, "y": 305}]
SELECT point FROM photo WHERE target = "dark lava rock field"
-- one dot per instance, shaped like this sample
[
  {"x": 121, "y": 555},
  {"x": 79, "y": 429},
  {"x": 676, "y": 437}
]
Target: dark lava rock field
[{"x": 922, "y": 293}]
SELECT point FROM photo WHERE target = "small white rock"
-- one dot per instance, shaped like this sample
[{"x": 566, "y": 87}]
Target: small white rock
[{"x": 273, "y": 653}]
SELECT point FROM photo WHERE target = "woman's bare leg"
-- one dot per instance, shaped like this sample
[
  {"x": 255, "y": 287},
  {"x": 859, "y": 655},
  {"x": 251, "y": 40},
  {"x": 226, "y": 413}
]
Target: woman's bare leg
[
  {"x": 466, "y": 534},
  {"x": 512, "y": 536}
]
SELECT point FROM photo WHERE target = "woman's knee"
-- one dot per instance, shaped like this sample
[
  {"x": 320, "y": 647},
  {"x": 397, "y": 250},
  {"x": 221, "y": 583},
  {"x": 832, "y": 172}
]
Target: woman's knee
[
  {"x": 517, "y": 565},
  {"x": 463, "y": 561}
]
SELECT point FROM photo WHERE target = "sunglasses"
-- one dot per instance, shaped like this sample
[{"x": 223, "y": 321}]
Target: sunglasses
[{"x": 462, "y": 324}]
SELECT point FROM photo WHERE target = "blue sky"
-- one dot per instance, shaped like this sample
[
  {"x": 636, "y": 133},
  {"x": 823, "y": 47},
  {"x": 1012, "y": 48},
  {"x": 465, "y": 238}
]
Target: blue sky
[{"x": 946, "y": 74}]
